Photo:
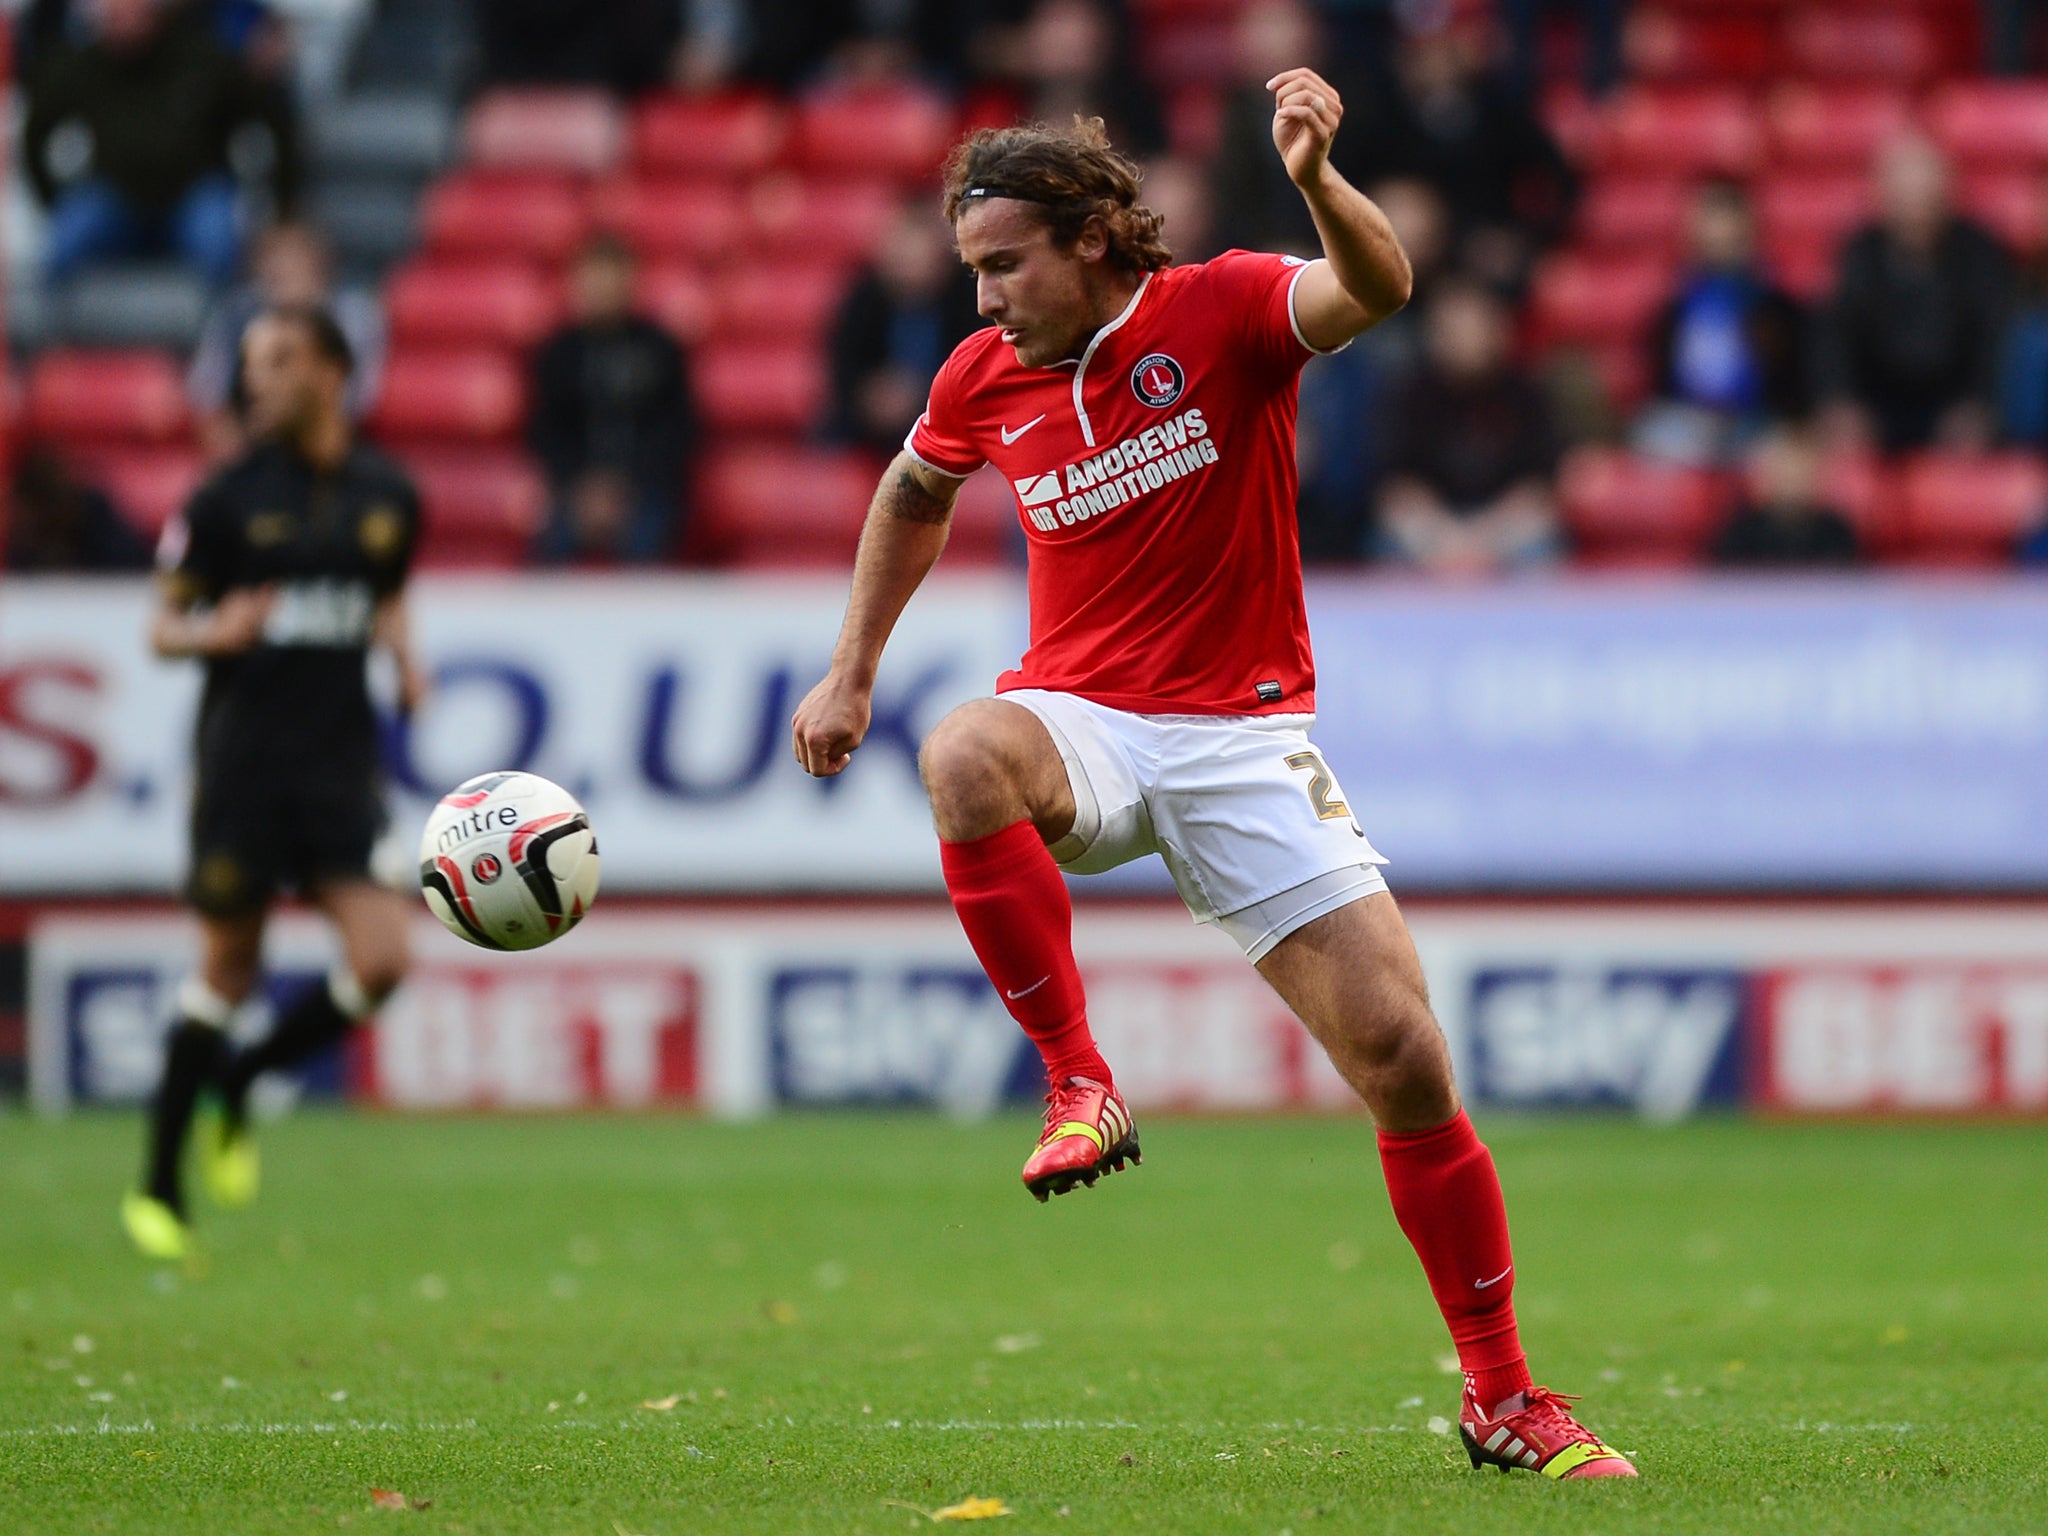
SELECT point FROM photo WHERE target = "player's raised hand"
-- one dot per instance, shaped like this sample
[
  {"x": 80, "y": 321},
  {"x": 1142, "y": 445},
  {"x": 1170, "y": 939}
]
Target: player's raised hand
[
  {"x": 829, "y": 724},
  {"x": 1306, "y": 111}
]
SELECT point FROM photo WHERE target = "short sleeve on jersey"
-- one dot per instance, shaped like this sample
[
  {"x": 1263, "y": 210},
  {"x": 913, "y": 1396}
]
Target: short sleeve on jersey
[
  {"x": 941, "y": 438},
  {"x": 1259, "y": 289},
  {"x": 195, "y": 555}
]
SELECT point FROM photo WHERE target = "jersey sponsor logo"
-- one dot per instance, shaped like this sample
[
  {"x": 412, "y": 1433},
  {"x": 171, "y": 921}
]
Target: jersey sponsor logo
[
  {"x": 321, "y": 612},
  {"x": 1157, "y": 380},
  {"x": 1037, "y": 490},
  {"x": 1087, "y": 488}
]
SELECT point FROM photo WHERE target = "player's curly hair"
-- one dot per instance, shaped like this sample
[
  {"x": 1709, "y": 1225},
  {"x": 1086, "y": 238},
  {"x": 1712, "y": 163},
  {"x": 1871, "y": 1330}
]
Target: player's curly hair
[{"x": 1071, "y": 175}]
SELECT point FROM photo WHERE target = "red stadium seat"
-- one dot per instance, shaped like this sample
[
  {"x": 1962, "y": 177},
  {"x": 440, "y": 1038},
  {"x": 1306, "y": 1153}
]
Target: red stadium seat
[
  {"x": 494, "y": 303},
  {"x": 1194, "y": 122},
  {"x": 1663, "y": 44},
  {"x": 1862, "y": 44},
  {"x": 1833, "y": 127},
  {"x": 784, "y": 506},
  {"x": 107, "y": 397},
  {"x": 1859, "y": 486},
  {"x": 897, "y": 132},
  {"x": 528, "y": 129},
  {"x": 149, "y": 486},
  {"x": 1583, "y": 297},
  {"x": 1627, "y": 213},
  {"x": 735, "y": 135},
  {"x": 1572, "y": 119},
  {"x": 759, "y": 387},
  {"x": 465, "y": 395},
  {"x": 1195, "y": 51},
  {"x": 542, "y": 218},
  {"x": 820, "y": 220},
  {"x": 1623, "y": 509},
  {"x": 2000, "y": 123},
  {"x": 1969, "y": 508},
  {"x": 673, "y": 216},
  {"x": 791, "y": 300},
  {"x": 1802, "y": 262},
  {"x": 676, "y": 297},
  {"x": 2012, "y": 204},
  {"x": 1793, "y": 207},
  {"x": 483, "y": 507},
  {"x": 1680, "y": 130}
]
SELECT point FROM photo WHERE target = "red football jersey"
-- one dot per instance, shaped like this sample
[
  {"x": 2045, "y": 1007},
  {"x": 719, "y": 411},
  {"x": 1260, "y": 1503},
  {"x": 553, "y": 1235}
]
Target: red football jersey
[{"x": 1155, "y": 481}]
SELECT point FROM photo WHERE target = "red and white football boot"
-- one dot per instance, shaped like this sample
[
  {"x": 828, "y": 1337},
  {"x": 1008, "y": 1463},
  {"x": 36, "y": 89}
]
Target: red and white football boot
[
  {"x": 1534, "y": 1430},
  {"x": 1088, "y": 1132}
]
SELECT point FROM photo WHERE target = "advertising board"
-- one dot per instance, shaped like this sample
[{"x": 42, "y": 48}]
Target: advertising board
[
  {"x": 1573, "y": 735},
  {"x": 1660, "y": 1010}
]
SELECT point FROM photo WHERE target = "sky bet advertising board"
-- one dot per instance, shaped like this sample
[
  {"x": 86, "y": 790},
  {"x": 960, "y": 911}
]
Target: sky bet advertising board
[
  {"x": 1655, "y": 1011},
  {"x": 1575, "y": 734}
]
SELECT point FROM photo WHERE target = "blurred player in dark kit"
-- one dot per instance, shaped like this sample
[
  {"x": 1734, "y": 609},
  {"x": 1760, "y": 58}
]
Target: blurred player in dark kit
[{"x": 287, "y": 568}]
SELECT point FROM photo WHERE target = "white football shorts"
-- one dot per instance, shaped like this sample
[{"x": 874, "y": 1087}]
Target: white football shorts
[{"x": 1252, "y": 825}]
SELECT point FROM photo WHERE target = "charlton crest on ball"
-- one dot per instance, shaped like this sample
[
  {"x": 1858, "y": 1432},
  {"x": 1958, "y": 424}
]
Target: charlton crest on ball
[{"x": 1157, "y": 379}]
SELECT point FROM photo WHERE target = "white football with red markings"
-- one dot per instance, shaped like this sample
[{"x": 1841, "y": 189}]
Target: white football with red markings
[{"x": 508, "y": 861}]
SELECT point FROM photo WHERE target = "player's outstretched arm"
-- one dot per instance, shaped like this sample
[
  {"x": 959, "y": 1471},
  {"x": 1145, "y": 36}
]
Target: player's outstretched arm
[
  {"x": 1364, "y": 276},
  {"x": 905, "y": 530}
]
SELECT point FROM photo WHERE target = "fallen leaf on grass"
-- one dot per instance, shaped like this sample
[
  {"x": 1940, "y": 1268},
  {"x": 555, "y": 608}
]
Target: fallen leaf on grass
[
  {"x": 391, "y": 1498},
  {"x": 663, "y": 1404},
  {"x": 966, "y": 1509}
]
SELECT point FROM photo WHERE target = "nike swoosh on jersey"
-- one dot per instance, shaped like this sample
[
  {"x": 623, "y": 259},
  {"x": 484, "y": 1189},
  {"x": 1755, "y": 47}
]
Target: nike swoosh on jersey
[{"x": 1010, "y": 437}]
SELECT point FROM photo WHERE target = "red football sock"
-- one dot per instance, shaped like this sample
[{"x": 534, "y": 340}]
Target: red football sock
[
  {"x": 1447, "y": 1199},
  {"x": 1013, "y": 903}
]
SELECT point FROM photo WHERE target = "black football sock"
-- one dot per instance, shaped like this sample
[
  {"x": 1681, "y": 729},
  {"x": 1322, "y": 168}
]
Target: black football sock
[
  {"x": 194, "y": 1056},
  {"x": 309, "y": 1026}
]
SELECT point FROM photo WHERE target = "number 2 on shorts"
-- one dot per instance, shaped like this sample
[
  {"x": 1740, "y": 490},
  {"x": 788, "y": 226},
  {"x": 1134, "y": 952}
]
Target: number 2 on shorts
[{"x": 1324, "y": 797}]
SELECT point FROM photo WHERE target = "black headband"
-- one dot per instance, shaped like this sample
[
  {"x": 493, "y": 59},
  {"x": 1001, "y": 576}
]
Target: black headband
[{"x": 988, "y": 191}]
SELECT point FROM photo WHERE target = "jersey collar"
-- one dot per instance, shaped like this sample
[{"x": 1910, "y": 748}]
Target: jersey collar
[{"x": 1080, "y": 364}]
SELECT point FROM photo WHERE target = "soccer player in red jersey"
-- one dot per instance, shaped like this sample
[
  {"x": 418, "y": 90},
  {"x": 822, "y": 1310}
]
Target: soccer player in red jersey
[{"x": 1144, "y": 414}]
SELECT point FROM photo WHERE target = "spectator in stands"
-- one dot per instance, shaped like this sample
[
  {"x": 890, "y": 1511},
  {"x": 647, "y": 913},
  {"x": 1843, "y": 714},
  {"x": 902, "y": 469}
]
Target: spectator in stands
[
  {"x": 1729, "y": 352},
  {"x": 290, "y": 267},
  {"x": 2023, "y": 373},
  {"x": 1177, "y": 189},
  {"x": 1073, "y": 57},
  {"x": 1258, "y": 208},
  {"x": 611, "y": 422},
  {"x": 903, "y": 315},
  {"x": 1340, "y": 437},
  {"x": 1471, "y": 448},
  {"x": 59, "y": 524},
  {"x": 128, "y": 138},
  {"x": 1452, "y": 123},
  {"x": 1910, "y": 349},
  {"x": 621, "y": 45},
  {"x": 1784, "y": 520}
]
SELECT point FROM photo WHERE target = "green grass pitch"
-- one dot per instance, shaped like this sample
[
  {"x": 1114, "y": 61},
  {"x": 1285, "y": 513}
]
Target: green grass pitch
[{"x": 1796, "y": 1328}]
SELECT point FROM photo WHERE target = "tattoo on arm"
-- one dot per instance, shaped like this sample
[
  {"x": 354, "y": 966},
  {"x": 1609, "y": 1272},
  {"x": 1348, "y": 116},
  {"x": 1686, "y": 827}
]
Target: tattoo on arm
[{"x": 905, "y": 498}]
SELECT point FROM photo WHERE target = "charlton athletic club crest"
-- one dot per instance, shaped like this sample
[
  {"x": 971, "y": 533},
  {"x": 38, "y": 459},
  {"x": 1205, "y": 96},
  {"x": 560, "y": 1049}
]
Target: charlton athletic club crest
[
  {"x": 486, "y": 868},
  {"x": 1157, "y": 379}
]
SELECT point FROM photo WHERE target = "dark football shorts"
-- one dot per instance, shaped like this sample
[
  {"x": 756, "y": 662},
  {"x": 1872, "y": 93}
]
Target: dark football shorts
[{"x": 258, "y": 833}]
